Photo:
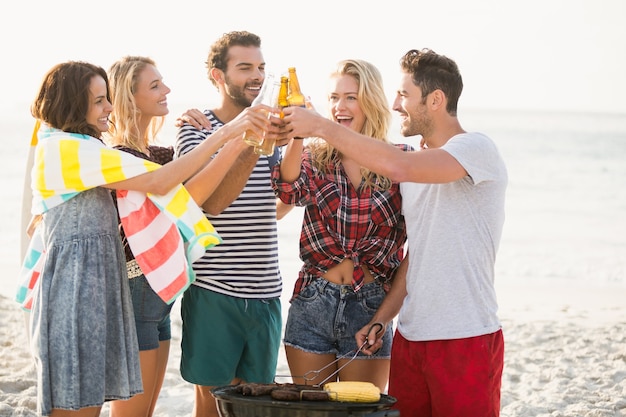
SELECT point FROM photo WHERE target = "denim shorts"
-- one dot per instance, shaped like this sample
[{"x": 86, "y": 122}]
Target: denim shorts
[
  {"x": 324, "y": 318},
  {"x": 152, "y": 314}
]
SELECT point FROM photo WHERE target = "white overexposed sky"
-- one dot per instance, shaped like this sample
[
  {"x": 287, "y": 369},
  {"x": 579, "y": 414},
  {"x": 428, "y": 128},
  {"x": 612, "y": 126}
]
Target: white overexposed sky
[{"x": 562, "y": 55}]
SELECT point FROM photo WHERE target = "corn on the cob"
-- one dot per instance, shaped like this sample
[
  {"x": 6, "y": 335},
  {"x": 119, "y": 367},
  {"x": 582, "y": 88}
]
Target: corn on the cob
[{"x": 353, "y": 391}]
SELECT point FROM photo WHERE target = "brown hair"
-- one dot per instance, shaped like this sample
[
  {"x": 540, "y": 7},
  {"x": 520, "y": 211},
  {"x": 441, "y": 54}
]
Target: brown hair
[
  {"x": 218, "y": 56},
  {"x": 431, "y": 71},
  {"x": 63, "y": 98}
]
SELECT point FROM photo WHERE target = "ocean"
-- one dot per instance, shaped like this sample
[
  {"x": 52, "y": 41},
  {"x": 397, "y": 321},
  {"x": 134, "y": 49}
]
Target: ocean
[{"x": 565, "y": 209}]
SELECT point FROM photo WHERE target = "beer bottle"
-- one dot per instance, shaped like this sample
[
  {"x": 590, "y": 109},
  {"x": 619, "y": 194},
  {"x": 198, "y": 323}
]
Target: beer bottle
[
  {"x": 264, "y": 97},
  {"x": 283, "y": 100},
  {"x": 295, "y": 97},
  {"x": 266, "y": 147}
]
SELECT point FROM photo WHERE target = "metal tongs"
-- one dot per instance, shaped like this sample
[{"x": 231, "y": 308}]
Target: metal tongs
[{"x": 311, "y": 375}]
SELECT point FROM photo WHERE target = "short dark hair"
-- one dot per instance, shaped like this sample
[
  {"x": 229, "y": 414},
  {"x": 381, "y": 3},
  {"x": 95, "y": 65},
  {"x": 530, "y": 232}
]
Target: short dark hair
[
  {"x": 63, "y": 98},
  {"x": 218, "y": 55},
  {"x": 431, "y": 71}
]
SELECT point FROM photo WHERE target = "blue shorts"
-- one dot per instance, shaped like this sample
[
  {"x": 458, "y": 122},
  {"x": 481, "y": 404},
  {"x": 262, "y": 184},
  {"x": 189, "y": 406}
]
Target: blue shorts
[
  {"x": 324, "y": 318},
  {"x": 152, "y": 314},
  {"x": 227, "y": 337}
]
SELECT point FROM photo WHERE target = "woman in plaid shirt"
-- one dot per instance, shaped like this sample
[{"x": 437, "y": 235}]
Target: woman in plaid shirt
[{"x": 352, "y": 237}]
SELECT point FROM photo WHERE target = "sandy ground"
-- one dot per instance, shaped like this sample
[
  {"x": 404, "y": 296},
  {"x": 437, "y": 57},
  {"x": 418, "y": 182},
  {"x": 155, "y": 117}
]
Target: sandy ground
[{"x": 565, "y": 356}]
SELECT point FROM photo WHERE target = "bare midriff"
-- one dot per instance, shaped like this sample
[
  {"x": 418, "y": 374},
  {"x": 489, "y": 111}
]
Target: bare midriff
[{"x": 342, "y": 274}]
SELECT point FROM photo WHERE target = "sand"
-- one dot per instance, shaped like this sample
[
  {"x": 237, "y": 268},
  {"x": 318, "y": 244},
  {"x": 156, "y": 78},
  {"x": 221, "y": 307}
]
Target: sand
[{"x": 565, "y": 356}]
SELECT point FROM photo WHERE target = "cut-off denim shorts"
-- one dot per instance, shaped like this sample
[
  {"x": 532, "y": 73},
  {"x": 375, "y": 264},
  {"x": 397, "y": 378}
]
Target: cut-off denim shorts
[
  {"x": 324, "y": 318},
  {"x": 152, "y": 314}
]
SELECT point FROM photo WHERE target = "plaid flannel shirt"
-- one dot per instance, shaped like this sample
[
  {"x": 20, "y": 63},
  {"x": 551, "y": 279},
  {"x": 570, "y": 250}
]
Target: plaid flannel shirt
[{"x": 341, "y": 221}]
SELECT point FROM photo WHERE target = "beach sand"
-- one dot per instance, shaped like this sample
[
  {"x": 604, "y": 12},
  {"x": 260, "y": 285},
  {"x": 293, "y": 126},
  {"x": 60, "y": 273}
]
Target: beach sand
[{"x": 565, "y": 356}]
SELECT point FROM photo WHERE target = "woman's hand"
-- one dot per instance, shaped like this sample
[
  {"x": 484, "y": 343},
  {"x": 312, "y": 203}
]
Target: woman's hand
[{"x": 304, "y": 122}]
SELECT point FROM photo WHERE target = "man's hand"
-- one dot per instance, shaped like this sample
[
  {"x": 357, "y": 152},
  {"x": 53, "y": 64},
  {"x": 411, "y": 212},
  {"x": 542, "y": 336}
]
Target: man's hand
[
  {"x": 372, "y": 333},
  {"x": 195, "y": 118},
  {"x": 278, "y": 130}
]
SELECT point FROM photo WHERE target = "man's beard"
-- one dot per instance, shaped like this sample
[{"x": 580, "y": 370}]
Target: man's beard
[{"x": 237, "y": 94}]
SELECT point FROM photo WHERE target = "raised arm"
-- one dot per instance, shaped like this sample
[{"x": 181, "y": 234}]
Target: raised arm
[
  {"x": 425, "y": 166},
  {"x": 292, "y": 162},
  {"x": 204, "y": 184},
  {"x": 234, "y": 179},
  {"x": 233, "y": 182},
  {"x": 162, "y": 180}
]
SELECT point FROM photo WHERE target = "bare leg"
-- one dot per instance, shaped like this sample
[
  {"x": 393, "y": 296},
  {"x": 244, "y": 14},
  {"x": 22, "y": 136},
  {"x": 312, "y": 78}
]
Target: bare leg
[
  {"x": 205, "y": 405},
  {"x": 375, "y": 371},
  {"x": 153, "y": 365},
  {"x": 163, "y": 355},
  {"x": 301, "y": 363},
  {"x": 83, "y": 412}
]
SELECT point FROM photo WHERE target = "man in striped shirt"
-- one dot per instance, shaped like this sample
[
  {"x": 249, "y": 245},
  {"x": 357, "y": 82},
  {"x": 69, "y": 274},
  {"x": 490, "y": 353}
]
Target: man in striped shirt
[{"x": 232, "y": 319}]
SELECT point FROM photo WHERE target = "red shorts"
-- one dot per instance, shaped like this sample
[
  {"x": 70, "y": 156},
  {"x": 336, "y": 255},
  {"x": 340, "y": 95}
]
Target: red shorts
[{"x": 458, "y": 377}]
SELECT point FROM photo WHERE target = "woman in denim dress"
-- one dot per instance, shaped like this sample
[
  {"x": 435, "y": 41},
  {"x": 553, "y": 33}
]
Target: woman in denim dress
[{"x": 82, "y": 326}]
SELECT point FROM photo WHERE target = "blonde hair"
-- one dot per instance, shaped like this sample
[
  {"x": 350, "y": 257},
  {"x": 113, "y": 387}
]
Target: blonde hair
[
  {"x": 373, "y": 101},
  {"x": 124, "y": 130}
]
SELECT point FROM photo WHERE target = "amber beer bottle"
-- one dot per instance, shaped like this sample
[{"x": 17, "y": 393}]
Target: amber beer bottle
[
  {"x": 282, "y": 100},
  {"x": 264, "y": 97},
  {"x": 267, "y": 145},
  {"x": 295, "y": 97}
]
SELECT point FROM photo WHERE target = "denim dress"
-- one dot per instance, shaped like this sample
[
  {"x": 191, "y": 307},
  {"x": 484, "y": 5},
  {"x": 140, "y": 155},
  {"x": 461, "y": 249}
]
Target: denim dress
[{"x": 82, "y": 326}]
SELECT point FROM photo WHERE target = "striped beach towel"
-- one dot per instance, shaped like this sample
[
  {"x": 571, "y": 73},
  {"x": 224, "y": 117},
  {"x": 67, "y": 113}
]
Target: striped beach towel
[{"x": 166, "y": 233}]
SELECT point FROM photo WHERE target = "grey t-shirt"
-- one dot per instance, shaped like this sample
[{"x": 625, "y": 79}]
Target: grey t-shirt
[{"x": 454, "y": 230}]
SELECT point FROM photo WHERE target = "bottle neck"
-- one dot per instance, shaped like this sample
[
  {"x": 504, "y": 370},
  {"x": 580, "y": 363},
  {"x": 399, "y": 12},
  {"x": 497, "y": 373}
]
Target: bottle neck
[
  {"x": 264, "y": 94},
  {"x": 295, "y": 97}
]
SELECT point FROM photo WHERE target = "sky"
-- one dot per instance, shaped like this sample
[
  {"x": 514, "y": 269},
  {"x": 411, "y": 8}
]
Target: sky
[{"x": 539, "y": 55}]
